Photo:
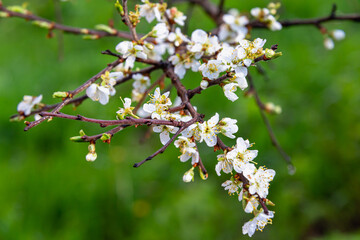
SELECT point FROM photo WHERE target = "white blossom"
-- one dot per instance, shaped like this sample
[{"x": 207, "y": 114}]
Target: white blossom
[
  {"x": 188, "y": 150},
  {"x": 165, "y": 131},
  {"x": 202, "y": 44},
  {"x": 232, "y": 186},
  {"x": 212, "y": 69},
  {"x": 208, "y": 130},
  {"x": 130, "y": 52},
  {"x": 241, "y": 155},
  {"x": 257, "y": 223},
  {"x": 98, "y": 93},
  {"x": 176, "y": 15},
  {"x": 157, "y": 104},
  {"x": 204, "y": 84},
  {"x": 224, "y": 164},
  {"x": 160, "y": 31},
  {"x": 28, "y": 103},
  {"x": 141, "y": 82},
  {"x": 259, "y": 181},
  {"x": 228, "y": 127},
  {"x": 127, "y": 110},
  {"x": 177, "y": 37},
  {"x": 229, "y": 91},
  {"x": 150, "y": 11},
  {"x": 251, "y": 204},
  {"x": 182, "y": 63}
]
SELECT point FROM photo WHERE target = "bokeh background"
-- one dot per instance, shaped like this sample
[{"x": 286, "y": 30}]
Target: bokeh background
[{"x": 49, "y": 191}]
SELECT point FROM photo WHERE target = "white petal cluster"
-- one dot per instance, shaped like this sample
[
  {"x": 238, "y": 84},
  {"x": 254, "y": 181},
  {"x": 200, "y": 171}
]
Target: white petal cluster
[
  {"x": 130, "y": 51},
  {"x": 126, "y": 110},
  {"x": 140, "y": 84},
  {"x": 212, "y": 69},
  {"x": 240, "y": 155},
  {"x": 175, "y": 15},
  {"x": 232, "y": 186},
  {"x": 266, "y": 15},
  {"x": 177, "y": 37},
  {"x": 150, "y": 11},
  {"x": 234, "y": 27},
  {"x": 106, "y": 89},
  {"x": 183, "y": 62},
  {"x": 28, "y": 103},
  {"x": 160, "y": 31},
  {"x": 257, "y": 223},
  {"x": 208, "y": 130},
  {"x": 158, "y": 104},
  {"x": 259, "y": 181},
  {"x": 188, "y": 150},
  {"x": 201, "y": 44}
]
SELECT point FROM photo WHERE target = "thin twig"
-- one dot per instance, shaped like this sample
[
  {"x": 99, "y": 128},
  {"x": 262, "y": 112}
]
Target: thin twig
[
  {"x": 127, "y": 21},
  {"x": 271, "y": 133},
  {"x": 64, "y": 28}
]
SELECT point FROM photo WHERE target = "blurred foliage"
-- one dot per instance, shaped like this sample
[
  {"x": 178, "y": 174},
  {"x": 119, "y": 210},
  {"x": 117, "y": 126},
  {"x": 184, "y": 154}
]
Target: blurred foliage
[{"x": 49, "y": 191}]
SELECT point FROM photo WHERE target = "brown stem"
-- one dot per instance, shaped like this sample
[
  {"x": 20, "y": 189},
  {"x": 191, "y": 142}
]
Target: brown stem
[
  {"x": 105, "y": 123},
  {"x": 127, "y": 21},
  {"x": 64, "y": 28}
]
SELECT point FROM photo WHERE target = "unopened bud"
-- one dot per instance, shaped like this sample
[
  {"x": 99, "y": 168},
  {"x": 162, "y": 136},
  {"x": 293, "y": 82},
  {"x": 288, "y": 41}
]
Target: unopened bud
[
  {"x": 4, "y": 14},
  {"x": 149, "y": 46},
  {"x": 119, "y": 8},
  {"x": 105, "y": 137},
  {"x": 338, "y": 34},
  {"x": 82, "y": 133},
  {"x": 204, "y": 84},
  {"x": 18, "y": 9},
  {"x": 105, "y": 28},
  {"x": 91, "y": 148},
  {"x": 42, "y": 24},
  {"x": 189, "y": 175},
  {"x": 269, "y": 53},
  {"x": 60, "y": 94},
  {"x": 91, "y": 37},
  {"x": 272, "y": 108},
  {"x": 203, "y": 175},
  {"x": 90, "y": 157},
  {"x": 268, "y": 202},
  {"x": 77, "y": 139},
  {"x": 329, "y": 43}
]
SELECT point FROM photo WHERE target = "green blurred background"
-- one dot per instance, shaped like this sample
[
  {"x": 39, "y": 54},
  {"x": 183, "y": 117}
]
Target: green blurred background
[{"x": 49, "y": 191}]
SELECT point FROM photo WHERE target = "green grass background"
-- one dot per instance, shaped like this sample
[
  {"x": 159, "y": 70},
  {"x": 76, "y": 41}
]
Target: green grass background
[{"x": 49, "y": 191}]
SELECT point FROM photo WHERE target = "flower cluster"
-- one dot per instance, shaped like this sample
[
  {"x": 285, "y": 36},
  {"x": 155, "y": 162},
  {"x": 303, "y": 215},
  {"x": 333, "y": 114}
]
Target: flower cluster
[
  {"x": 336, "y": 35},
  {"x": 267, "y": 16},
  {"x": 251, "y": 184},
  {"x": 223, "y": 59}
]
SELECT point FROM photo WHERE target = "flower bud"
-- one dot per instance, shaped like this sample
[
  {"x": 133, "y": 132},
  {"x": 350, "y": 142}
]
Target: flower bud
[
  {"x": 269, "y": 53},
  {"x": 4, "y": 14},
  {"x": 204, "y": 84},
  {"x": 203, "y": 175},
  {"x": 90, "y": 157},
  {"x": 60, "y": 94},
  {"x": 82, "y": 133},
  {"x": 105, "y": 137},
  {"x": 329, "y": 43},
  {"x": 272, "y": 108},
  {"x": 149, "y": 46},
  {"x": 189, "y": 175},
  {"x": 338, "y": 34},
  {"x": 105, "y": 28},
  {"x": 119, "y": 8},
  {"x": 77, "y": 139},
  {"x": 91, "y": 148},
  {"x": 42, "y": 24}
]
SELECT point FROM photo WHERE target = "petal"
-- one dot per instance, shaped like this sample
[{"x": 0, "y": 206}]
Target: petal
[{"x": 164, "y": 137}]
